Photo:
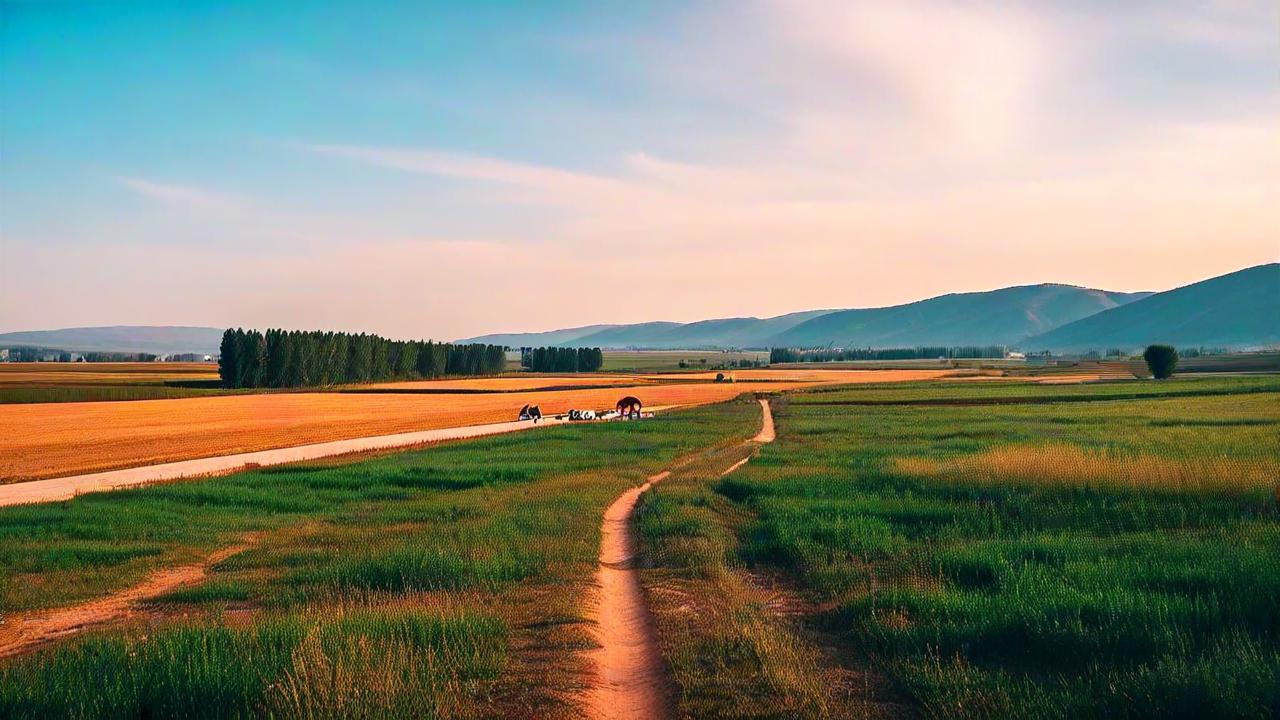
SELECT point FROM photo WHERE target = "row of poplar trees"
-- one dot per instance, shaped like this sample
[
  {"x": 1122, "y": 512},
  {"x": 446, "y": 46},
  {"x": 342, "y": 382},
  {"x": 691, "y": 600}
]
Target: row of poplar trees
[
  {"x": 557, "y": 359},
  {"x": 296, "y": 358}
]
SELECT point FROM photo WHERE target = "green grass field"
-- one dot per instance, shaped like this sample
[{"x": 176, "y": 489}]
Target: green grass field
[
  {"x": 1058, "y": 560},
  {"x": 942, "y": 550},
  {"x": 415, "y": 584}
]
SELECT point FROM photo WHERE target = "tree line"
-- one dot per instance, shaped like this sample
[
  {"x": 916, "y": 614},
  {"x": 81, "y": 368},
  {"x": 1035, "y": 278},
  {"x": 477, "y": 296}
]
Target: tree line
[
  {"x": 782, "y": 355},
  {"x": 297, "y": 358},
  {"x": 558, "y": 359}
]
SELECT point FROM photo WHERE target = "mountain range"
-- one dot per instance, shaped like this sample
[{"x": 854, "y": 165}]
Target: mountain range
[
  {"x": 1241, "y": 309},
  {"x": 1238, "y": 309},
  {"x": 158, "y": 340}
]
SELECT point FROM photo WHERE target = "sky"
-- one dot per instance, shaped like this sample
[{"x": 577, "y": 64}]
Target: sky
[{"x": 450, "y": 169}]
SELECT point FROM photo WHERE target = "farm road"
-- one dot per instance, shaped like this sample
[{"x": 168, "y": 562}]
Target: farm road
[
  {"x": 65, "y": 488},
  {"x": 630, "y": 680}
]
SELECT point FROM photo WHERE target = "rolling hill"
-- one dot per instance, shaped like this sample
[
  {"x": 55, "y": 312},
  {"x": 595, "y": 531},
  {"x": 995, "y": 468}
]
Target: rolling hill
[
  {"x": 121, "y": 338},
  {"x": 563, "y": 337},
  {"x": 720, "y": 333},
  {"x": 995, "y": 317},
  {"x": 1240, "y": 309}
]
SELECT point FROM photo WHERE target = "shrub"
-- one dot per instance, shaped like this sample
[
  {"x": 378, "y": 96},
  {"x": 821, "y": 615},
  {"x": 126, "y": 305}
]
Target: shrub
[{"x": 1161, "y": 360}]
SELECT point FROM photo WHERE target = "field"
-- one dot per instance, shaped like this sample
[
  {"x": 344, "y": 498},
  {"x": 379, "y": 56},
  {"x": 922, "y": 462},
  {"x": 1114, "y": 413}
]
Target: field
[
  {"x": 98, "y": 382},
  {"x": 444, "y": 582},
  {"x": 58, "y": 439},
  {"x": 528, "y": 381},
  {"x": 643, "y": 361},
  {"x": 104, "y": 373},
  {"x": 921, "y": 548},
  {"x": 1048, "y": 559}
]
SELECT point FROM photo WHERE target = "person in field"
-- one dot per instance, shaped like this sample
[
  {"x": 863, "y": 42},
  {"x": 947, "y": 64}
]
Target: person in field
[{"x": 629, "y": 407}]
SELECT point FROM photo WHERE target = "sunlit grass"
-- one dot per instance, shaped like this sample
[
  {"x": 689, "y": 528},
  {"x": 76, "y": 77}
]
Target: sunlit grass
[
  {"x": 409, "y": 585},
  {"x": 1046, "y": 559},
  {"x": 1073, "y": 466}
]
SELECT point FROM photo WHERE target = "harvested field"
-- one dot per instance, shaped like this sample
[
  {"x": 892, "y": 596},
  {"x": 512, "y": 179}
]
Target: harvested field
[
  {"x": 54, "y": 374},
  {"x": 826, "y": 377},
  {"x": 669, "y": 360},
  {"x": 56, "y": 439},
  {"x": 97, "y": 382},
  {"x": 524, "y": 382}
]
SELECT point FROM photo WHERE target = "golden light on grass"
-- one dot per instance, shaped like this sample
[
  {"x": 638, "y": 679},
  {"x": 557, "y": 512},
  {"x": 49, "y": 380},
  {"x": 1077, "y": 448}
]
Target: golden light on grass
[{"x": 1071, "y": 465}]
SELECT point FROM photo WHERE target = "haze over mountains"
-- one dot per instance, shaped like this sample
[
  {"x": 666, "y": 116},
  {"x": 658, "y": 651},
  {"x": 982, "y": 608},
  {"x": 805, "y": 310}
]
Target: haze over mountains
[
  {"x": 999, "y": 317},
  {"x": 158, "y": 340},
  {"x": 1240, "y": 310}
]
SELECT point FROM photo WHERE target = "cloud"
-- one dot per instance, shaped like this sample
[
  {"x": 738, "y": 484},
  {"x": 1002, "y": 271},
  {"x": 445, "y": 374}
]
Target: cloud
[
  {"x": 182, "y": 196},
  {"x": 967, "y": 73},
  {"x": 777, "y": 156},
  {"x": 550, "y": 183}
]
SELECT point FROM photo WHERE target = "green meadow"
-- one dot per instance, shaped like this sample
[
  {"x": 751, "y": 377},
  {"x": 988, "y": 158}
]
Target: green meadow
[
  {"x": 436, "y": 583},
  {"x": 943, "y": 550},
  {"x": 1112, "y": 558}
]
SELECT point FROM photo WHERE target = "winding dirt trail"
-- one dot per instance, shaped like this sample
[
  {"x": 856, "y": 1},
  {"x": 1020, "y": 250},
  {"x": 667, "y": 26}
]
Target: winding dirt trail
[
  {"x": 631, "y": 680},
  {"x": 22, "y": 632}
]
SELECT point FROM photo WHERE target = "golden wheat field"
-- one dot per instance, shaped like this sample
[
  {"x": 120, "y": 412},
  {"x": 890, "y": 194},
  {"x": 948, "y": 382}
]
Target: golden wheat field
[
  {"x": 103, "y": 373},
  {"x": 57, "y": 439},
  {"x": 524, "y": 382}
]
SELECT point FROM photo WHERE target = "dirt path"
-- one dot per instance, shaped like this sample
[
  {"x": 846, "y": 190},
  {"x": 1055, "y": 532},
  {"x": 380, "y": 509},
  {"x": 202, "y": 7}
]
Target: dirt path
[
  {"x": 65, "y": 488},
  {"x": 22, "y": 632},
  {"x": 631, "y": 680}
]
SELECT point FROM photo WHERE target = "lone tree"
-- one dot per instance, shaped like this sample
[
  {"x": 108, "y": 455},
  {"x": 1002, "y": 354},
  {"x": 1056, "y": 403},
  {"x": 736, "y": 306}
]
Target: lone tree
[{"x": 1161, "y": 360}]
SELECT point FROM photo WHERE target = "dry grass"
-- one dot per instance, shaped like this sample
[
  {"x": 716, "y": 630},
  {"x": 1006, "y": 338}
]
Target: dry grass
[
  {"x": 820, "y": 376},
  {"x": 523, "y": 382},
  {"x": 58, "y": 439},
  {"x": 52, "y": 374},
  {"x": 1071, "y": 465}
]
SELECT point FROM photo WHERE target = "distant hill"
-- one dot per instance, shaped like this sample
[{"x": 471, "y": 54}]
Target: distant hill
[
  {"x": 996, "y": 317},
  {"x": 538, "y": 339},
  {"x": 1240, "y": 309},
  {"x": 721, "y": 333},
  {"x": 122, "y": 338}
]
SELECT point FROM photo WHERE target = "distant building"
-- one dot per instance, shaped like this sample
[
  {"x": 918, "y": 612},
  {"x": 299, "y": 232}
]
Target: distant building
[{"x": 1016, "y": 356}]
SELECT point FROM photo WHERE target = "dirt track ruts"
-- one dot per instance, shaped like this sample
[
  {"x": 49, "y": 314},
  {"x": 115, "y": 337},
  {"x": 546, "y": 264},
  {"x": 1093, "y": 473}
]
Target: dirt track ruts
[
  {"x": 630, "y": 676},
  {"x": 24, "y": 631}
]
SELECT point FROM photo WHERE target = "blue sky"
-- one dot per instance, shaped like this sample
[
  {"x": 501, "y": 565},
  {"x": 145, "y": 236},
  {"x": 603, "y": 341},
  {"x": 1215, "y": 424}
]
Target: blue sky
[{"x": 442, "y": 170}]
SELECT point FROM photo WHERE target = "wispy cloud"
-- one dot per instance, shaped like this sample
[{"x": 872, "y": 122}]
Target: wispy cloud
[
  {"x": 551, "y": 182},
  {"x": 182, "y": 196}
]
